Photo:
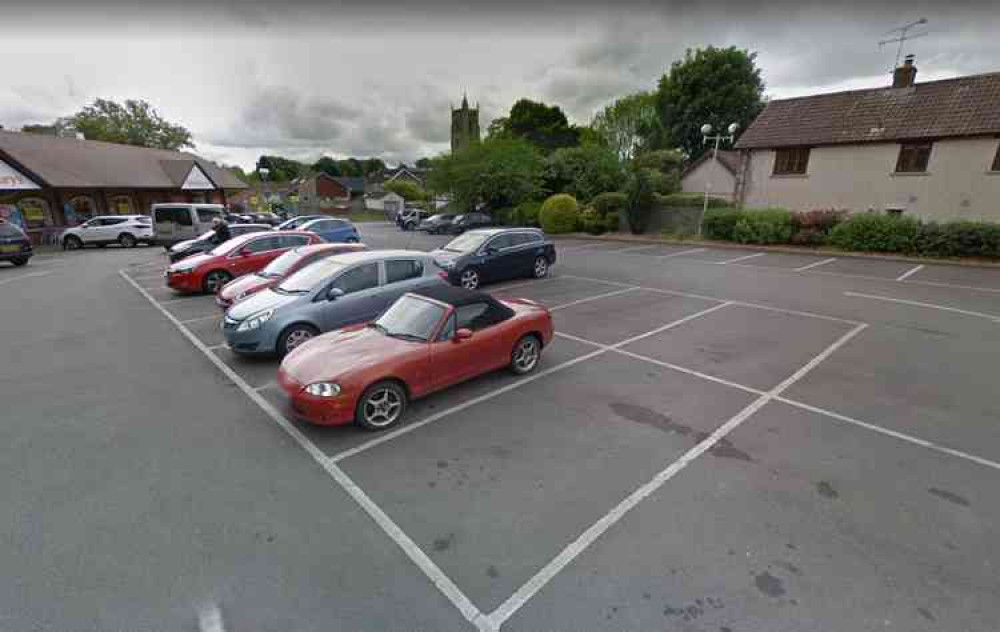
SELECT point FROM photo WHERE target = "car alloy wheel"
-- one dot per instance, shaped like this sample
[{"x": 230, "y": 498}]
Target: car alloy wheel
[
  {"x": 296, "y": 337},
  {"x": 381, "y": 406},
  {"x": 525, "y": 356},
  {"x": 127, "y": 240},
  {"x": 470, "y": 279},
  {"x": 72, "y": 243},
  {"x": 541, "y": 267},
  {"x": 215, "y": 280}
]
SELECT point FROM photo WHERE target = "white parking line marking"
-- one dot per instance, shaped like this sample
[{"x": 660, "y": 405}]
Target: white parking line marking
[
  {"x": 218, "y": 346},
  {"x": 210, "y": 619},
  {"x": 636, "y": 248},
  {"x": 911, "y": 281},
  {"x": 593, "y": 298},
  {"x": 571, "y": 248},
  {"x": 148, "y": 277},
  {"x": 24, "y": 276},
  {"x": 815, "y": 264},
  {"x": 943, "y": 308},
  {"x": 408, "y": 546},
  {"x": 265, "y": 386},
  {"x": 389, "y": 436},
  {"x": 910, "y": 272},
  {"x": 514, "y": 286},
  {"x": 585, "y": 539},
  {"x": 744, "y": 258},
  {"x": 681, "y": 253},
  {"x": 173, "y": 300},
  {"x": 200, "y": 318}
]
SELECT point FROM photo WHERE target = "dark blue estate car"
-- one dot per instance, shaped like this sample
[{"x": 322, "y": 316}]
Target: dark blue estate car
[
  {"x": 14, "y": 244},
  {"x": 484, "y": 256}
]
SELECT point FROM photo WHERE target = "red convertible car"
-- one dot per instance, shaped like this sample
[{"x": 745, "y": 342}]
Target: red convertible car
[
  {"x": 245, "y": 254},
  {"x": 424, "y": 342},
  {"x": 278, "y": 270}
]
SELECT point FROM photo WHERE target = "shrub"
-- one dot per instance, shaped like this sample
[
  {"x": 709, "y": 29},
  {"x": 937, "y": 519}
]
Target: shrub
[
  {"x": 719, "y": 223},
  {"x": 692, "y": 200},
  {"x": 959, "y": 239},
  {"x": 812, "y": 228},
  {"x": 526, "y": 213},
  {"x": 612, "y": 222},
  {"x": 873, "y": 232},
  {"x": 606, "y": 203},
  {"x": 766, "y": 226},
  {"x": 592, "y": 223},
  {"x": 559, "y": 214},
  {"x": 641, "y": 197},
  {"x": 504, "y": 216}
]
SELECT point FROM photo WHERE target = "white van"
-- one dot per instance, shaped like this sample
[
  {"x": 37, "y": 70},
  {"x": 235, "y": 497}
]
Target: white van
[{"x": 178, "y": 222}]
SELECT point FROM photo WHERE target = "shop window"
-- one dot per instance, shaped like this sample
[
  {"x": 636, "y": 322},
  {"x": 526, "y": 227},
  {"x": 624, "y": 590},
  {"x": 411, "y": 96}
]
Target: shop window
[
  {"x": 121, "y": 205},
  {"x": 80, "y": 209},
  {"x": 35, "y": 212}
]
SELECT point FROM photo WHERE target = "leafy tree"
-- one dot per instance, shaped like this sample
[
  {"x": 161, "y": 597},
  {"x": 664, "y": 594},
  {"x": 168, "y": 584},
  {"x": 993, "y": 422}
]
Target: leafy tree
[
  {"x": 238, "y": 172},
  {"x": 372, "y": 165},
  {"x": 717, "y": 86},
  {"x": 544, "y": 125},
  {"x": 640, "y": 199},
  {"x": 280, "y": 169},
  {"x": 628, "y": 124},
  {"x": 131, "y": 123},
  {"x": 664, "y": 168},
  {"x": 327, "y": 165},
  {"x": 583, "y": 171},
  {"x": 497, "y": 172},
  {"x": 423, "y": 163},
  {"x": 409, "y": 191}
]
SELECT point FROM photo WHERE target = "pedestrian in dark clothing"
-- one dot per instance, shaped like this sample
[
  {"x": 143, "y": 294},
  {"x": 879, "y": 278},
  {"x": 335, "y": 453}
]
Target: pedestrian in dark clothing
[{"x": 221, "y": 229}]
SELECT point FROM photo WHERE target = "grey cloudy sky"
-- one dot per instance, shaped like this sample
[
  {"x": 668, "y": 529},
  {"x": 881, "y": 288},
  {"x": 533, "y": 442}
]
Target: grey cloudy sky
[{"x": 303, "y": 78}]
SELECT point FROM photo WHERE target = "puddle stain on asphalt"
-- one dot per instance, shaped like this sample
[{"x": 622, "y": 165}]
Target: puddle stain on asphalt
[
  {"x": 649, "y": 417},
  {"x": 492, "y": 572},
  {"x": 691, "y": 611},
  {"x": 925, "y": 613},
  {"x": 788, "y": 566},
  {"x": 769, "y": 584},
  {"x": 949, "y": 496},
  {"x": 443, "y": 544},
  {"x": 826, "y": 490}
]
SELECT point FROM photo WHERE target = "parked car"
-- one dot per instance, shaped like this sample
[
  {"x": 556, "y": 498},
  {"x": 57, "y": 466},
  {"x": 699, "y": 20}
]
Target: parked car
[
  {"x": 409, "y": 218},
  {"x": 333, "y": 230},
  {"x": 237, "y": 218},
  {"x": 487, "y": 255},
  {"x": 296, "y": 222},
  {"x": 427, "y": 341},
  {"x": 173, "y": 223},
  {"x": 329, "y": 294},
  {"x": 435, "y": 224},
  {"x": 210, "y": 271},
  {"x": 15, "y": 246},
  {"x": 126, "y": 230},
  {"x": 469, "y": 221},
  {"x": 206, "y": 241},
  {"x": 265, "y": 218},
  {"x": 278, "y": 270}
]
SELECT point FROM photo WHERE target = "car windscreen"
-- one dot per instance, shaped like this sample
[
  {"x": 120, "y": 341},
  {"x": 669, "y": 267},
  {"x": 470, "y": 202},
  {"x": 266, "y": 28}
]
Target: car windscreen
[
  {"x": 281, "y": 266},
  {"x": 9, "y": 230},
  {"x": 310, "y": 276},
  {"x": 411, "y": 318},
  {"x": 466, "y": 243}
]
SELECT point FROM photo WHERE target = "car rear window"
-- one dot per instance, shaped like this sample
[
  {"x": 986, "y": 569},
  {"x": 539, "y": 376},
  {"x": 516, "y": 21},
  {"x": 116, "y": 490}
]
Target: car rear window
[
  {"x": 9, "y": 230},
  {"x": 208, "y": 214}
]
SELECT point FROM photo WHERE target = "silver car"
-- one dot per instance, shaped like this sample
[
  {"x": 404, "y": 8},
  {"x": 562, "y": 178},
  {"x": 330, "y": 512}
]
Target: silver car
[{"x": 329, "y": 294}]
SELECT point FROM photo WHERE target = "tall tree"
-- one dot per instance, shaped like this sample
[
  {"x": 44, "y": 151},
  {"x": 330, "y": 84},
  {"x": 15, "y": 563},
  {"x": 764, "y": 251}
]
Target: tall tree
[
  {"x": 423, "y": 163},
  {"x": 327, "y": 165},
  {"x": 280, "y": 169},
  {"x": 717, "y": 86},
  {"x": 131, "y": 123},
  {"x": 372, "y": 165},
  {"x": 583, "y": 171},
  {"x": 544, "y": 125},
  {"x": 497, "y": 172},
  {"x": 628, "y": 124}
]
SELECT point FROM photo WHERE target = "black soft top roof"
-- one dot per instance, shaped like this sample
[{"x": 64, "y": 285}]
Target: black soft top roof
[{"x": 459, "y": 296}]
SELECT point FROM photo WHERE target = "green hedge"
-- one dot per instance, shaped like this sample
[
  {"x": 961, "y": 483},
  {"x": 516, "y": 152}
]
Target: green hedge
[
  {"x": 526, "y": 213},
  {"x": 766, "y": 226},
  {"x": 559, "y": 214},
  {"x": 961, "y": 238},
  {"x": 606, "y": 203},
  {"x": 719, "y": 223},
  {"x": 873, "y": 232},
  {"x": 692, "y": 200}
]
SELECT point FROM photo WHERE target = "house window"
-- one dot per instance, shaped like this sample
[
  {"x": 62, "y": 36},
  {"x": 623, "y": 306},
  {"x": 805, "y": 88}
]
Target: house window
[
  {"x": 996, "y": 160},
  {"x": 913, "y": 157},
  {"x": 791, "y": 161}
]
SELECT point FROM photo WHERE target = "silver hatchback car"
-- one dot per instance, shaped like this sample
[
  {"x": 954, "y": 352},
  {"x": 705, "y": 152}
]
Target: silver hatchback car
[{"x": 329, "y": 294}]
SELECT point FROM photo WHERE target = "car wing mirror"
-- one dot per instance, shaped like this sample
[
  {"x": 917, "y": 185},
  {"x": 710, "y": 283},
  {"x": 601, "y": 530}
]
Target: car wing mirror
[
  {"x": 334, "y": 294},
  {"x": 462, "y": 334}
]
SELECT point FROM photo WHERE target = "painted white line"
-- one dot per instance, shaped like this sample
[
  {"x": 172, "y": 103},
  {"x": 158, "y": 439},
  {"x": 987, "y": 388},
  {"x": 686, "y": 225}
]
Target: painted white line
[
  {"x": 514, "y": 286},
  {"x": 943, "y": 308},
  {"x": 744, "y": 258},
  {"x": 173, "y": 300},
  {"x": 148, "y": 277},
  {"x": 910, "y": 272},
  {"x": 265, "y": 386},
  {"x": 585, "y": 539},
  {"x": 668, "y": 326},
  {"x": 815, "y": 264},
  {"x": 637, "y": 248},
  {"x": 24, "y": 276},
  {"x": 681, "y": 253},
  {"x": 593, "y": 298},
  {"x": 389, "y": 436},
  {"x": 200, "y": 318},
  {"x": 214, "y": 347},
  {"x": 572, "y": 248},
  {"x": 911, "y": 281},
  {"x": 407, "y": 545},
  {"x": 210, "y": 619},
  {"x": 930, "y": 445}
]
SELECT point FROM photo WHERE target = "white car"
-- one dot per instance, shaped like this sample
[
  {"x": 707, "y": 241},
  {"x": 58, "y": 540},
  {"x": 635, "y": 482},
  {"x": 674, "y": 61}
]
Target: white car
[{"x": 126, "y": 230}]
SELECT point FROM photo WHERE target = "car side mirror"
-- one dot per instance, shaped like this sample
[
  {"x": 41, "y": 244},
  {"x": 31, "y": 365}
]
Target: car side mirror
[
  {"x": 462, "y": 334},
  {"x": 334, "y": 294}
]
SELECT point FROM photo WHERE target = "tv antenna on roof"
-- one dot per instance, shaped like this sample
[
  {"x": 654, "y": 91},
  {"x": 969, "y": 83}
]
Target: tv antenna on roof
[{"x": 904, "y": 34}]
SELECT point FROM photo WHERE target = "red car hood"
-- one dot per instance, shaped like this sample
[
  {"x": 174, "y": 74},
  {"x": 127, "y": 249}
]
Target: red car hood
[
  {"x": 329, "y": 356},
  {"x": 244, "y": 286},
  {"x": 192, "y": 262}
]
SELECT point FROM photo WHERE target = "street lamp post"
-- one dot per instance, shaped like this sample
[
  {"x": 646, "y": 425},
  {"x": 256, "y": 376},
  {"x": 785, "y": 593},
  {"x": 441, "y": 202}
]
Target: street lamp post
[{"x": 706, "y": 137}]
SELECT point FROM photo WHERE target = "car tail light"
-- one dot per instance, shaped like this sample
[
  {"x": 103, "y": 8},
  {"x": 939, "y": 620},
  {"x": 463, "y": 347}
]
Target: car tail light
[{"x": 443, "y": 275}]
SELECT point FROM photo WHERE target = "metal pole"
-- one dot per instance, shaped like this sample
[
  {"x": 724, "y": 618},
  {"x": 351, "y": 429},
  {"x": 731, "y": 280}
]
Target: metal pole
[{"x": 708, "y": 182}]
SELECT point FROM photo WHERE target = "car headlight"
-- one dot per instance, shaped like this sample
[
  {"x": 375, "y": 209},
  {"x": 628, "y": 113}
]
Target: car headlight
[
  {"x": 184, "y": 270},
  {"x": 323, "y": 389},
  {"x": 256, "y": 321}
]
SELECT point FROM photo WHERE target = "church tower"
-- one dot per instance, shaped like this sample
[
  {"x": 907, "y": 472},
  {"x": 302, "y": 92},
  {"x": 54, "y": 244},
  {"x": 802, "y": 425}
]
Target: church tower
[{"x": 464, "y": 125}]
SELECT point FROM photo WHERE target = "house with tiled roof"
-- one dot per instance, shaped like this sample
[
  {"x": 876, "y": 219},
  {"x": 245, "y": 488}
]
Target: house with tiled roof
[
  {"x": 716, "y": 176},
  {"x": 931, "y": 150}
]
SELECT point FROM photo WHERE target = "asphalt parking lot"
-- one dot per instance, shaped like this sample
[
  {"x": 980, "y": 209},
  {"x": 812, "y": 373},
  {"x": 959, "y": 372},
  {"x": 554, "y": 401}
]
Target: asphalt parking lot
[{"x": 718, "y": 440}]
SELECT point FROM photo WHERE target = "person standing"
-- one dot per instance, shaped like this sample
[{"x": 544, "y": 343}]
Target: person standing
[{"x": 221, "y": 229}]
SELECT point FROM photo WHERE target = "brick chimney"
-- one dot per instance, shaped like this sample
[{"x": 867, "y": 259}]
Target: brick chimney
[{"x": 905, "y": 76}]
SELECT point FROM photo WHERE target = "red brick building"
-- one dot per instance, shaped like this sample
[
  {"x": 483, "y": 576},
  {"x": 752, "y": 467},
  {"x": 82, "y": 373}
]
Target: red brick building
[{"x": 53, "y": 182}]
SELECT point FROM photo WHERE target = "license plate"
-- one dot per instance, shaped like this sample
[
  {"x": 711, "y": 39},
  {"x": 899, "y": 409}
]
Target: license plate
[{"x": 9, "y": 248}]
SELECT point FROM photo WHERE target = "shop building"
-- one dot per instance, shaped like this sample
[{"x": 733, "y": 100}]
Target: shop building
[{"x": 48, "y": 183}]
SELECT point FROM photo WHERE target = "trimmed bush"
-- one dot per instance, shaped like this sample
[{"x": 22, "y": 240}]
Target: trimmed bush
[
  {"x": 559, "y": 214},
  {"x": 959, "y": 239},
  {"x": 719, "y": 223},
  {"x": 692, "y": 200},
  {"x": 767, "y": 226},
  {"x": 606, "y": 203},
  {"x": 812, "y": 228},
  {"x": 592, "y": 223},
  {"x": 526, "y": 213},
  {"x": 873, "y": 232}
]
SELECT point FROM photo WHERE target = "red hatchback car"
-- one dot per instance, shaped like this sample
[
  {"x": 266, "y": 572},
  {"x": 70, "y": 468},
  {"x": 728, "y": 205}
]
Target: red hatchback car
[
  {"x": 424, "y": 342},
  {"x": 210, "y": 271},
  {"x": 278, "y": 270}
]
